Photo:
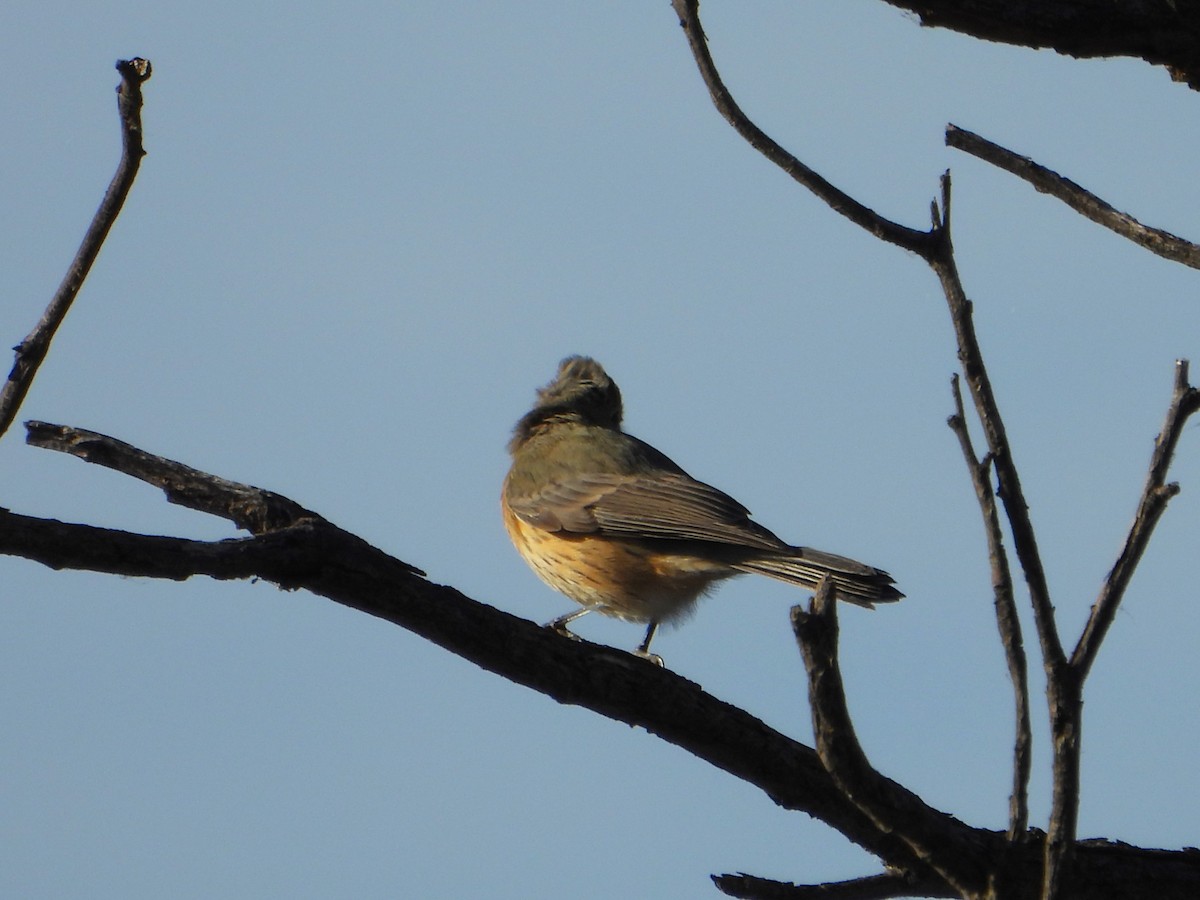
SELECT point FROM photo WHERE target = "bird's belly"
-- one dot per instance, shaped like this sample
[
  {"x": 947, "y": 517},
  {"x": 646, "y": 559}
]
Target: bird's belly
[{"x": 632, "y": 580}]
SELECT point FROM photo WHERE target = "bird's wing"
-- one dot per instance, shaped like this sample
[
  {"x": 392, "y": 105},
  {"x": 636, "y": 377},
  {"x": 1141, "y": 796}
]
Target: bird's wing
[{"x": 658, "y": 505}]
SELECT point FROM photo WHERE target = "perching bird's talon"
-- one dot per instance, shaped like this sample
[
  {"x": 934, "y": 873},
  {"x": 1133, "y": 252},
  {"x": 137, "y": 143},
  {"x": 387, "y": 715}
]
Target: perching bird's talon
[
  {"x": 561, "y": 629},
  {"x": 652, "y": 657},
  {"x": 559, "y": 625}
]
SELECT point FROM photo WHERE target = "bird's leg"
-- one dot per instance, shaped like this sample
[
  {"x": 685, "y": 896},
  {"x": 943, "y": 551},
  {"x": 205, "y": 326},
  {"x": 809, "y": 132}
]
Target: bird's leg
[
  {"x": 559, "y": 625},
  {"x": 643, "y": 649}
]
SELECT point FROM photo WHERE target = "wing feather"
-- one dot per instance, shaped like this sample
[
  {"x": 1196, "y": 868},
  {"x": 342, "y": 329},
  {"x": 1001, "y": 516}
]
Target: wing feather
[{"x": 657, "y": 505}]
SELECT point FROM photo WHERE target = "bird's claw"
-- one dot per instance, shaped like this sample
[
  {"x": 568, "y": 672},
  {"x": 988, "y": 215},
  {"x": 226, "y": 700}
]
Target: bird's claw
[{"x": 652, "y": 657}]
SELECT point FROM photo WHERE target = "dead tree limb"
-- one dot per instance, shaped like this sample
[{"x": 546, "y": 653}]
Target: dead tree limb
[
  {"x": 1007, "y": 619},
  {"x": 1185, "y": 401},
  {"x": 247, "y": 507},
  {"x": 1161, "y": 32},
  {"x": 312, "y": 554},
  {"x": 873, "y": 887},
  {"x": 1162, "y": 243},
  {"x": 924, "y": 849},
  {"x": 838, "y": 200},
  {"x": 32, "y": 351},
  {"x": 1064, "y": 679},
  {"x": 843, "y": 757}
]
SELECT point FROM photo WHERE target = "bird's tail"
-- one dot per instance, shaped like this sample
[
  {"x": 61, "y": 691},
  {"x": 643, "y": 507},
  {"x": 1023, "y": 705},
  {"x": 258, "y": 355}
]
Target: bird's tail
[{"x": 856, "y": 583}]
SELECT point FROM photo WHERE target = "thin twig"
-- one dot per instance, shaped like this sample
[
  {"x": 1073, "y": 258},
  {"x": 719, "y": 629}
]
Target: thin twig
[
  {"x": 988, "y": 410},
  {"x": 1006, "y": 619},
  {"x": 839, "y": 201},
  {"x": 1087, "y": 204},
  {"x": 32, "y": 351},
  {"x": 1156, "y": 494},
  {"x": 1065, "y": 690}
]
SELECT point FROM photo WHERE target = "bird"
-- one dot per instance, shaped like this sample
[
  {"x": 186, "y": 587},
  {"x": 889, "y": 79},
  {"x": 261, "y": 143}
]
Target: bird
[{"x": 618, "y": 527}]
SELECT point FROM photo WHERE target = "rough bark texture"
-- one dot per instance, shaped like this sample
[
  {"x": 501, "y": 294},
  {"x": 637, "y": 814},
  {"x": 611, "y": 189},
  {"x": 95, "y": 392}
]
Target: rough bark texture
[{"x": 1162, "y": 32}]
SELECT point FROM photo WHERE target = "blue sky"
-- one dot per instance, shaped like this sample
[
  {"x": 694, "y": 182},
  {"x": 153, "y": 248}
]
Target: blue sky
[{"x": 361, "y": 238}]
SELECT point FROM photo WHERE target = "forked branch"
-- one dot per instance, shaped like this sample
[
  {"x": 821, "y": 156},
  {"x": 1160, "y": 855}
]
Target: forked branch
[
  {"x": 1063, "y": 687},
  {"x": 304, "y": 550},
  {"x": 936, "y": 248}
]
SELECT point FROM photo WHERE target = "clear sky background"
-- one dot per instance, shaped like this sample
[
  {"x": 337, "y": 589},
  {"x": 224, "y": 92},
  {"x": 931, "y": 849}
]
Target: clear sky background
[{"x": 364, "y": 233}]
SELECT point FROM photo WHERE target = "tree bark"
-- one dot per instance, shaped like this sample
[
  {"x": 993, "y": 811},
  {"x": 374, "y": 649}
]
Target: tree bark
[{"x": 1161, "y": 32}]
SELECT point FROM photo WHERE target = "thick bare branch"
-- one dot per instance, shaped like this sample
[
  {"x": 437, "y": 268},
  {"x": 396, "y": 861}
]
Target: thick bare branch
[
  {"x": 1006, "y": 619},
  {"x": 1162, "y": 32},
  {"x": 315, "y": 555},
  {"x": 875, "y": 887},
  {"x": 933, "y": 840},
  {"x": 32, "y": 351},
  {"x": 1162, "y": 243},
  {"x": 1185, "y": 401}
]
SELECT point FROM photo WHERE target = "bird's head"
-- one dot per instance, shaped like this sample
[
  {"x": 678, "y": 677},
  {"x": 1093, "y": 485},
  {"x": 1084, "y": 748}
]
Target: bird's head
[{"x": 581, "y": 392}]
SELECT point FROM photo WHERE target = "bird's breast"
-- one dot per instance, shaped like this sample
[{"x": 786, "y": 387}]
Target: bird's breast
[{"x": 629, "y": 579}]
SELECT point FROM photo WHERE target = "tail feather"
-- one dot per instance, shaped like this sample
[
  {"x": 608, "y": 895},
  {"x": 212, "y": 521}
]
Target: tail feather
[{"x": 856, "y": 583}]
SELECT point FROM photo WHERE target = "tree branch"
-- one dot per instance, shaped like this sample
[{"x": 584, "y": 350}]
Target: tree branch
[
  {"x": 317, "y": 556},
  {"x": 1065, "y": 692},
  {"x": 988, "y": 410},
  {"x": 936, "y": 247},
  {"x": 1065, "y": 704},
  {"x": 1156, "y": 494},
  {"x": 837, "y": 200},
  {"x": 1162, "y": 32},
  {"x": 945, "y": 849},
  {"x": 314, "y": 554},
  {"x": 1007, "y": 619},
  {"x": 874, "y": 887},
  {"x": 32, "y": 351},
  {"x": 250, "y": 508},
  {"x": 1087, "y": 204}
]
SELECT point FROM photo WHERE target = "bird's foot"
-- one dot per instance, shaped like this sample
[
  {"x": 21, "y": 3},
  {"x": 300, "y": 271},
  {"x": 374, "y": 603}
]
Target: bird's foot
[
  {"x": 643, "y": 649},
  {"x": 560, "y": 628},
  {"x": 652, "y": 657},
  {"x": 559, "y": 625}
]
